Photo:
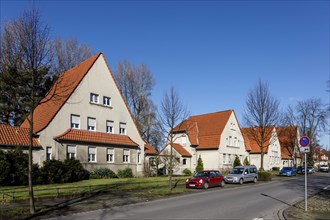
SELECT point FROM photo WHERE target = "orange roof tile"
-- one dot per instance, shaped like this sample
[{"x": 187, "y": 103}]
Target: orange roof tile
[
  {"x": 248, "y": 133},
  {"x": 16, "y": 136},
  {"x": 287, "y": 137},
  {"x": 59, "y": 94},
  {"x": 205, "y": 130},
  {"x": 96, "y": 137},
  {"x": 181, "y": 150},
  {"x": 149, "y": 150}
]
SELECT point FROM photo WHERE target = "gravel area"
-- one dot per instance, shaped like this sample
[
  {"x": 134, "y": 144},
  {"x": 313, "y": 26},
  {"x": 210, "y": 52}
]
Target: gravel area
[{"x": 318, "y": 207}]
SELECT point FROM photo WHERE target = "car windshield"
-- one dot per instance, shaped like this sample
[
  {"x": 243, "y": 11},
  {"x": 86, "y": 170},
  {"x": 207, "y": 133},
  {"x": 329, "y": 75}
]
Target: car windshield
[
  {"x": 201, "y": 174},
  {"x": 323, "y": 166},
  {"x": 237, "y": 171},
  {"x": 287, "y": 168}
]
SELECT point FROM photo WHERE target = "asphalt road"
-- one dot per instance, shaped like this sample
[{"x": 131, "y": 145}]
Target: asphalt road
[{"x": 249, "y": 201}]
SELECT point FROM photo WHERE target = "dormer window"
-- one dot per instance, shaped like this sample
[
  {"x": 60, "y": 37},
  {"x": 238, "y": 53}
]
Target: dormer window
[
  {"x": 106, "y": 101},
  {"x": 94, "y": 98}
]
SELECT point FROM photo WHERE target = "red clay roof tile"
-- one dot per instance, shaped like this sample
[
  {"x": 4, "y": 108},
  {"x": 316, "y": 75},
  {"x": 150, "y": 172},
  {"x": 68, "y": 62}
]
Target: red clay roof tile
[
  {"x": 181, "y": 150},
  {"x": 59, "y": 94},
  {"x": 16, "y": 136},
  {"x": 149, "y": 150},
  {"x": 96, "y": 137}
]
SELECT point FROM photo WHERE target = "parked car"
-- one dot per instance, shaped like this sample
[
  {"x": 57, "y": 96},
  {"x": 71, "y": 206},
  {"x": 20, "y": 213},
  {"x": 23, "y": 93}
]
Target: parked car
[
  {"x": 288, "y": 171},
  {"x": 205, "y": 179},
  {"x": 324, "y": 168},
  {"x": 310, "y": 170},
  {"x": 242, "y": 174},
  {"x": 301, "y": 169}
]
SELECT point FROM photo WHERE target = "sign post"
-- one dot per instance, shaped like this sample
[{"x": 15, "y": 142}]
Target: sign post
[{"x": 304, "y": 148}]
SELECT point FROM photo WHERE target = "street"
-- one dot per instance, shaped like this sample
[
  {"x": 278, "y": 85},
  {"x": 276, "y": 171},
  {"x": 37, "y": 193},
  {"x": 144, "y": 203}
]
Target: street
[{"x": 249, "y": 201}]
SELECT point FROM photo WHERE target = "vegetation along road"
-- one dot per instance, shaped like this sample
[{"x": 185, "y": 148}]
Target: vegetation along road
[{"x": 249, "y": 201}]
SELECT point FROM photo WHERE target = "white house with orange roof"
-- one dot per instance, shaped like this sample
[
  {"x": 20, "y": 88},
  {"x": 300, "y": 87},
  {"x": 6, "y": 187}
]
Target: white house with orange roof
[
  {"x": 272, "y": 147},
  {"x": 85, "y": 116},
  {"x": 289, "y": 141},
  {"x": 215, "y": 137}
]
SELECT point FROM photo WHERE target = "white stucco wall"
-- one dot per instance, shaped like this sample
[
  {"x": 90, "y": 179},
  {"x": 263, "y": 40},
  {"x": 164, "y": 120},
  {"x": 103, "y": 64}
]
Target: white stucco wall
[{"x": 99, "y": 81}]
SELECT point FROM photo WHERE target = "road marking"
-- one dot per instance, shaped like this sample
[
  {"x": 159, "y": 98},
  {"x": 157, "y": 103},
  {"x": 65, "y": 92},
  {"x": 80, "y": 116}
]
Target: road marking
[{"x": 258, "y": 219}]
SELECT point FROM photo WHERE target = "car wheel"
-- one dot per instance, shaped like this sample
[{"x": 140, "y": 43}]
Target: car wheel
[
  {"x": 206, "y": 185},
  {"x": 241, "y": 181},
  {"x": 255, "y": 179},
  {"x": 222, "y": 184}
]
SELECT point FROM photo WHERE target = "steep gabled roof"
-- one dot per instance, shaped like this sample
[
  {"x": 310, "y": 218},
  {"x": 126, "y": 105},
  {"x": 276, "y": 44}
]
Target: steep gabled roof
[
  {"x": 251, "y": 134},
  {"x": 149, "y": 150},
  {"x": 205, "y": 130},
  {"x": 16, "y": 136},
  {"x": 96, "y": 137},
  {"x": 59, "y": 94},
  {"x": 181, "y": 150}
]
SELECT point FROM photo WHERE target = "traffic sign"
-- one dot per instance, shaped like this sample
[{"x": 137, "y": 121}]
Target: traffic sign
[
  {"x": 304, "y": 141},
  {"x": 304, "y": 149}
]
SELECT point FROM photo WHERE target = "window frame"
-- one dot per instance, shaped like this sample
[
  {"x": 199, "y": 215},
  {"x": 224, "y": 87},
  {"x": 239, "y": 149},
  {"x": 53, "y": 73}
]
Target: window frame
[
  {"x": 94, "y": 98},
  {"x": 122, "y": 128},
  {"x": 69, "y": 155},
  {"x": 90, "y": 155},
  {"x": 72, "y": 121},
  {"x": 108, "y": 154},
  {"x": 106, "y": 127},
  {"x": 49, "y": 153},
  {"x": 89, "y": 127},
  {"x": 126, "y": 157},
  {"x": 106, "y": 101}
]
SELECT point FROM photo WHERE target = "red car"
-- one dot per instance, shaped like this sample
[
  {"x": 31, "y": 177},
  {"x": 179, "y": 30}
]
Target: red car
[{"x": 205, "y": 179}]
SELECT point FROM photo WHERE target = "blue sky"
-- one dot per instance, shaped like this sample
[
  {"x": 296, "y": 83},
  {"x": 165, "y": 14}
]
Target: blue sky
[{"x": 212, "y": 52}]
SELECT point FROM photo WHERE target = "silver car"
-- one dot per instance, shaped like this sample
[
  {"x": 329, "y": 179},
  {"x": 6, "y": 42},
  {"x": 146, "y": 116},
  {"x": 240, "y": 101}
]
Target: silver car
[{"x": 242, "y": 174}]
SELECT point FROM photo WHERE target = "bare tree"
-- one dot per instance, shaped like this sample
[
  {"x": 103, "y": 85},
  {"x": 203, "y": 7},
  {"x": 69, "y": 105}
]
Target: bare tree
[
  {"x": 67, "y": 54},
  {"x": 311, "y": 117},
  {"x": 136, "y": 84},
  {"x": 24, "y": 61},
  {"x": 172, "y": 112},
  {"x": 261, "y": 113}
]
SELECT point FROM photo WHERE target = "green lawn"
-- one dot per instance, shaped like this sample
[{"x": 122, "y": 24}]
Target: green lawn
[{"x": 88, "y": 186}]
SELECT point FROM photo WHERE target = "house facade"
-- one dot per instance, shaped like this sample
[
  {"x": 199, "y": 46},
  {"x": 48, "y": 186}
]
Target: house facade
[
  {"x": 289, "y": 141},
  {"x": 215, "y": 137},
  {"x": 85, "y": 116},
  {"x": 272, "y": 148}
]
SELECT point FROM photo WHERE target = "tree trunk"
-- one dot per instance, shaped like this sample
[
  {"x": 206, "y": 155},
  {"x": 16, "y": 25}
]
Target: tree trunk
[{"x": 170, "y": 168}]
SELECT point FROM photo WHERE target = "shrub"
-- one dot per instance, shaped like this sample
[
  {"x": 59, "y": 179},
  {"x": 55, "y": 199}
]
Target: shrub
[
  {"x": 200, "y": 165},
  {"x": 246, "y": 162},
  {"x": 74, "y": 171},
  {"x": 237, "y": 161},
  {"x": 187, "y": 172},
  {"x": 125, "y": 173},
  {"x": 53, "y": 171},
  {"x": 13, "y": 167},
  {"x": 104, "y": 173},
  {"x": 264, "y": 176},
  {"x": 275, "y": 168}
]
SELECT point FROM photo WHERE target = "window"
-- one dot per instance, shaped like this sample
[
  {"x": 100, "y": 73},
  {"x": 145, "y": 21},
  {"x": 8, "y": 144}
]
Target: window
[
  {"x": 235, "y": 141},
  {"x": 106, "y": 101},
  {"x": 229, "y": 158},
  {"x": 230, "y": 144},
  {"x": 224, "y": 158},
  {"x": 91, "y": 124},
  {"x": 71, "y": 151},
  {"x": 110, "y": 155},
  {"x": 75, "y": 121},
  {"x": 184, "y": 140},
  {"x": 139, "y": 157},
  {"x": 94, "y": 98},
  {"x": 184, "y": 161},
  {"x": 109, "y": 127},
  {"x": 126, "y": 156},
  {"x": 122, "y": 128},
  {"x": 91, "y": 154},
  {"x": 48, "y": 153}
]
